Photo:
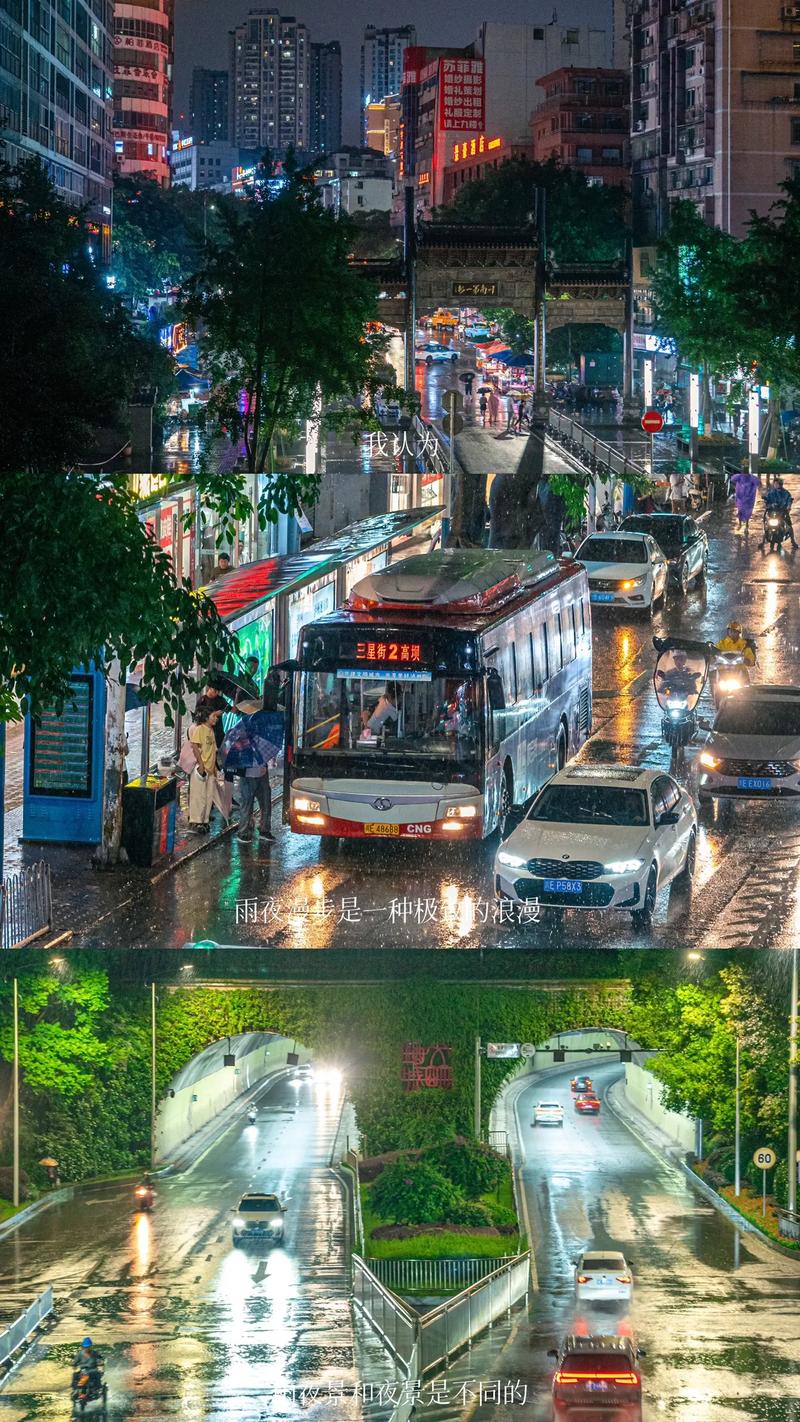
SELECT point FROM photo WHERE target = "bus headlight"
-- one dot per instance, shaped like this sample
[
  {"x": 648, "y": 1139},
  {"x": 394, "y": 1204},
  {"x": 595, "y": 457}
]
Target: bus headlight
[
  {"x": 302, "y": 802},
  {"x": 461, "y": 812}
]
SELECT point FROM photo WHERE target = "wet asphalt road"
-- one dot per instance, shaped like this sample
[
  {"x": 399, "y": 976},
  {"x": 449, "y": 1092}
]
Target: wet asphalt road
[
  {"x": 717, "y": 1313},
  {"x": 191, "y": 1327},
  {"x": 292, "y": 894}
]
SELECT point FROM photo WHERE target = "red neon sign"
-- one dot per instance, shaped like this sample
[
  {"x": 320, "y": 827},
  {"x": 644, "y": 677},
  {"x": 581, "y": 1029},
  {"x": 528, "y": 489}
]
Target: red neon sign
[{"x": 388, "y": 652}]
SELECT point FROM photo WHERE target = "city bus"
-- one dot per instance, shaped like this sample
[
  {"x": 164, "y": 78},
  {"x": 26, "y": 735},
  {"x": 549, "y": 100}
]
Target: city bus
[{"x": 448, "y": 687}]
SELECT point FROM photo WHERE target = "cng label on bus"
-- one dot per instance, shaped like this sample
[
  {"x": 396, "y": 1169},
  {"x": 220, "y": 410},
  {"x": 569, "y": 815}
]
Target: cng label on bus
[{"x": 419, "y": 829}]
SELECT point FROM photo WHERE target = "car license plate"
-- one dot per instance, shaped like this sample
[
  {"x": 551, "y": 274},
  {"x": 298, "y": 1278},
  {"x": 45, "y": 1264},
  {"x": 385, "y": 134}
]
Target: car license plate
[
  {"x": 601, "y": 597},
  {"x": 754, "y": 782},
  {"x": 597, "y": 1387},
  {"x": 382, "y": 829},
  {"x": 563, "y": 886}
]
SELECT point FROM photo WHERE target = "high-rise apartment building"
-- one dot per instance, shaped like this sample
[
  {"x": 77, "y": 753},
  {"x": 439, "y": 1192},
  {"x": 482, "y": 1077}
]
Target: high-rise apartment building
[
  {"x": 56, "y": 71},
  {"x": 583, "y": 122},
  {"x": 270, "y": 83},
  {"x": 208, "y": 105},
  {"x": 326, "y": 97},
  {"x": 143, "y": 51},
  {"x": 382, "y": 64},
  {"x": 517, "y": 56},
  {"x": 715, "y": 99}
]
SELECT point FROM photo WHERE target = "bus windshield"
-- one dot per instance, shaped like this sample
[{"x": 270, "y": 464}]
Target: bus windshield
[{"x": 422, "y": 714}]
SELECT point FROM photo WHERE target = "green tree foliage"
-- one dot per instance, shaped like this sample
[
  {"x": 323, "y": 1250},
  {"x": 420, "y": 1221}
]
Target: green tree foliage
[
  {"x": 584, "y": 223},
  {"x": 281, "y": 315},
  {"x": 374, "y": 238},
  {"x": 69, "y": 358},
  {"x": 694, "y": 286},
  {"x": 474, "y": 1168},
  {"x": 413, "y": 1192},
  {"x": 160, "y": 233},
  {"x": 119, "y": 601}
]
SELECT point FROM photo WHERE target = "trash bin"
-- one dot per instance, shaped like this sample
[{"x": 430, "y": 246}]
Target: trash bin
[{"x": 149, "y": 807}]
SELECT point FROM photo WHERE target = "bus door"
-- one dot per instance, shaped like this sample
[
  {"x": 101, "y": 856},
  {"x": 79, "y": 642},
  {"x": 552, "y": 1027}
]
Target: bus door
[{"x": 495, "y": 708}]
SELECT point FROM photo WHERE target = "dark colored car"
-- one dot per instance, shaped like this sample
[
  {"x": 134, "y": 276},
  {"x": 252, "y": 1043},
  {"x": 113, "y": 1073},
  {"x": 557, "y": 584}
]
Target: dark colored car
[
  {"x": 587, "y": 1104},
  {"x": 595, "y": 1376},
  {"x": 581, "y": 1083},
  {"x": 682, "y": 541}
]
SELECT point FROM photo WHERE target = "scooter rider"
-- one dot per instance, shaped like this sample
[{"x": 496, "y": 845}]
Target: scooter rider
[
  {"x": 679, "y": 679},
  {"x": 778, "y": 499},
  {"x": 735, "y": 641},
  {"x": 87, "y": 1360}
]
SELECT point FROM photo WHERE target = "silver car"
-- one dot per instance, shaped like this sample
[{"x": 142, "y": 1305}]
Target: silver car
[
  {"x": 258, "y": 1216},
  {"x": 752, "y": 751}
]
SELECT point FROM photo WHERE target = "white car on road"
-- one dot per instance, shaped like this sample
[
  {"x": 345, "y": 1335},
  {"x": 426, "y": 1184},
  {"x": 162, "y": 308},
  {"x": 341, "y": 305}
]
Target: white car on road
[
  {"x": 753, "y": 749},
  {"x": 624, "y": 569},
  {"x": 602, "y": 1276},
  {"x": 599, "y": 837},
  {"x": 258, "y": 1216},
  {"x": 548, "y": 1113},
  {"x": 433, "y": 352}
]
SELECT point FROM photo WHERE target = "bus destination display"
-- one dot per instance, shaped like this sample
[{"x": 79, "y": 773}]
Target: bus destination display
[
  {"x": 390, "y": 652},
  {"x": 61, "y": 745}
]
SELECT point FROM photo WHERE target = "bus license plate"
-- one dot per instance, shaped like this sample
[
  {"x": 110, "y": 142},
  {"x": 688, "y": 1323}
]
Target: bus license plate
[
  {"x": 601, "y": 597},
  {"x": 754, "y": 782},
  {"x": 382, "y": 829},
  {"x": 563, "y": 886}
]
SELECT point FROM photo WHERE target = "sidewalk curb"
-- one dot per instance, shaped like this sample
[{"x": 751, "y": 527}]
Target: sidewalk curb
[{"x": 696, "y": 1182}]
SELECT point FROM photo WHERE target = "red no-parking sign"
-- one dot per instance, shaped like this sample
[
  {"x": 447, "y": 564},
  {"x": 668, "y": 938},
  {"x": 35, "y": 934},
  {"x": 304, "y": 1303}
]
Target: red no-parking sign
[{"x": 652, "y": 422}]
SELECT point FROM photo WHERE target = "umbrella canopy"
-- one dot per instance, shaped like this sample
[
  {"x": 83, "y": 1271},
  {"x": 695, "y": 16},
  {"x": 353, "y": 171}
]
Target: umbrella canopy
[
  {"x": 253, "y": 741},
  {"x": 485, "y": 389},
  {"x": 518, "y": 360},
  {"x": 48, "y": 1162},
  {"x": 231, "y": 684},
  {"x": 491, "y": 348}
]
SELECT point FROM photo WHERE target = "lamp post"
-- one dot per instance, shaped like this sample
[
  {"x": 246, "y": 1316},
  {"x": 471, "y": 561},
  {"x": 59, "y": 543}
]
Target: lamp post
[
  {"x": 737, "y": 1147},
  {"x": 15, "y": 1170},
  {"x": 152, "y": 1073},
  {"x": 791, "y": 1154},
  {"x": 476, "y": 1119}
]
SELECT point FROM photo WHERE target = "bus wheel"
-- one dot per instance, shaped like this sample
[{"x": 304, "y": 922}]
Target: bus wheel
[{"x": 561, "y": 750}]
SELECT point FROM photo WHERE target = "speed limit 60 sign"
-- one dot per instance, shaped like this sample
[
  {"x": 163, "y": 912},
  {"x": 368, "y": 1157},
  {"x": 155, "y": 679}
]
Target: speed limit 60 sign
[{"x": 765, "y": 1158}]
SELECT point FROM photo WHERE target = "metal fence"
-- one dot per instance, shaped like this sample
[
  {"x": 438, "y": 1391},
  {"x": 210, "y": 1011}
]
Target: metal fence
[
  {"x": 595, "y": 454},
  {"x": 450, "y": 1327},
  {"x": 26, "y": 906},
  {"x": 21, "y": 1329},
  {"x": 441, "y": 1276},
  {"x": 389, "y": 1316},
  {"x": 423, "y": 1342},
  {"x": 789, "y": 1224}
]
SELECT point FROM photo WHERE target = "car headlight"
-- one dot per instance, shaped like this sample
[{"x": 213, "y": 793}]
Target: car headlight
[
  {"x": 514, "y": 861},
  {"x": 302, "y": 802},
  {"x": 238, "y": 1226},
  {"x": 461, "y": 812},
  {"x": 623, "y": 866},
  {"x": 711, "y": 762},
  {"x": 631, "y": 583}
]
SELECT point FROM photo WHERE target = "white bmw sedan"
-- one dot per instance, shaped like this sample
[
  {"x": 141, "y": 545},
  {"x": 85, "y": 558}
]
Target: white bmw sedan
[{"x": 600, "y": 837}]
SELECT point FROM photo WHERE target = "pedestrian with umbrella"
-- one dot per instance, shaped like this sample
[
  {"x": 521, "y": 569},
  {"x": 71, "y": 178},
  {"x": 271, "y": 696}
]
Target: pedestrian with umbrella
[
  {"x": 247, "y": 749},
  {"x": 467, "y": 379}
]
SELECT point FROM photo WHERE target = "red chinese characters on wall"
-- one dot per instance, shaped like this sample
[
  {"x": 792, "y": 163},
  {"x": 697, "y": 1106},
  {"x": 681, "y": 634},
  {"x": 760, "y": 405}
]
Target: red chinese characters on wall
[
  {"x": 462, "y": 94},
  {"x": 426, "y": 1066}
]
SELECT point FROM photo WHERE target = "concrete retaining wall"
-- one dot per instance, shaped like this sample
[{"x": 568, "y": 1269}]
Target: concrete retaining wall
[
  {"x": 192, "y": 1107},
  {"x": 644, "y": 1091}
]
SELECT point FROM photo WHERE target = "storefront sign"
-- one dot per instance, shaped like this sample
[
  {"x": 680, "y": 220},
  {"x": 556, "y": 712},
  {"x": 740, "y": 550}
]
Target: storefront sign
[
  {"x": 461, "y": 94},
  {"x": 474, "y": 147},
  {"x": 426, "y": 1067}
]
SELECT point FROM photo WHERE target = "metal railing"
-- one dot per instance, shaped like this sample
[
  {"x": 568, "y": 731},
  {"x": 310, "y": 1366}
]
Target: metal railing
[
  {"x": 441, "y": 1276},
  {"x": 423, "y": 1342},
  {"x": 595, "y": 454},
  {"x": 26, "y": 906},
  {"x": 450, "y": 1327},
  {"x": 350, "y": 1160},
  {"x": 387, "y": 1315},
  {"x": 17, "y": 1333},
  {"x": 789, "y": 1224}
]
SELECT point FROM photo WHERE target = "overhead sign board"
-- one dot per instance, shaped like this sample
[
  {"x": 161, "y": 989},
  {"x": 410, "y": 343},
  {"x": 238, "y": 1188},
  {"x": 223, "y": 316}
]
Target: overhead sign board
[{"x": 502, "y": 1051}]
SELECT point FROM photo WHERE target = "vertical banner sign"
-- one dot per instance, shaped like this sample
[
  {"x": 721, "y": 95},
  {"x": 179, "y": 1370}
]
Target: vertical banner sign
[
  {"x": 694, "y": 400},
  {"x": 462, "y": 86},
  {"x": 754, "y": 421},
  {"x": 648, "y": 385}
]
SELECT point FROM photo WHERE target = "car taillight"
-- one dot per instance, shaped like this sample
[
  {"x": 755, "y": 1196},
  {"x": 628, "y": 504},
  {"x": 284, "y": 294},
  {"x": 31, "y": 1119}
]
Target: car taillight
[
  {"x": 624, "y": 1279},
  {"x": 623, "y": 1379},
  {"x": 584, "y": 1278}
]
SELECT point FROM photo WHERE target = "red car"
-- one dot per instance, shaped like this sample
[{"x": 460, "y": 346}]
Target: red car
[
  {"x": 587, "y": 1104},
  {"x": 581, "y": 1083}
]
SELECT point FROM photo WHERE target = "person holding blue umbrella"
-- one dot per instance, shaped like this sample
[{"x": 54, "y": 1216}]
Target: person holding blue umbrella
[{"x": 247, "y": 750}]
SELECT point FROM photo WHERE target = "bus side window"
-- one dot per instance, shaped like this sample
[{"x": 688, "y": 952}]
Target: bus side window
[
  {"x": 555, "y": 657},
  {"x": 568, "y": 634},
  {"x": 525, "y": 669}
]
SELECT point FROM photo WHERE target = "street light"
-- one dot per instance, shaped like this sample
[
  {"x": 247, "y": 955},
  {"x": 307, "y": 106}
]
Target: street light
[
  {"x": 15, "y": 1172},
  {"x": 791, "y": 1155},
  {"x": 737, "y": 1139}
]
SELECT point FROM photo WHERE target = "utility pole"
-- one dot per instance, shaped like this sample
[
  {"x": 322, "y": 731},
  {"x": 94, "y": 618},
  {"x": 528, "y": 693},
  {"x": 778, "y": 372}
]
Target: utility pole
[
  {"x": 153, "y": 1073},
  {"x": 737, "y": 1146},
  {"x": 476, "y": 1120},
  {"x": 15, "y": 1127},
  {"x": 792, "y": 1134},
  {"x": 541, "y": 405}
]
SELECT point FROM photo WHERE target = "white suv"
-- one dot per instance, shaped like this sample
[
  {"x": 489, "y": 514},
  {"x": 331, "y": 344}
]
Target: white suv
[
  {"x": 548, "y": 1113},
  {"x": 258, "y": 1216}
]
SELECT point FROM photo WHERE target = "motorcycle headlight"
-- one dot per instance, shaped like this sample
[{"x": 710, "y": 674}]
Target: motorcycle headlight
[
  {"x": 677, "y": 708},
  {"x": 623, "y": 866}
]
